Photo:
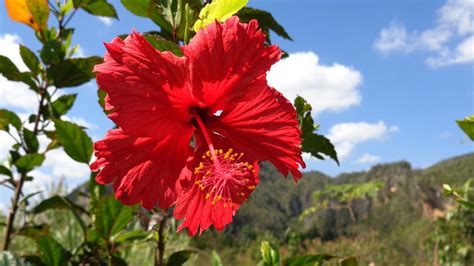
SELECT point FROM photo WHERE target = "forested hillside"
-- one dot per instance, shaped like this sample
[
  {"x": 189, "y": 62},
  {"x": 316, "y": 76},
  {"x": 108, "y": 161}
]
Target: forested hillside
[{"x": 394, "y": 224}]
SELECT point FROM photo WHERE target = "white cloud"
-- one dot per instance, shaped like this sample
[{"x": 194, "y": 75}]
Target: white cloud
[
  {"x": 345, "y": 136},
  {"x": 106, "y": 20},
  {"x": 368, "y": 158},
  {"x": 40, "y": 182},
  {"x": 14, "y": 94},
  {"x": 63, "y": 166},
  {"x": 449, "y": 41},
  {"x": 326, "y": 88}
]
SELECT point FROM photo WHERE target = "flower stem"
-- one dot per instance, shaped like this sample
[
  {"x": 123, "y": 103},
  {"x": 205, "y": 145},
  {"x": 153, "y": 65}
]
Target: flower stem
[{"x": 160, "y": 250}]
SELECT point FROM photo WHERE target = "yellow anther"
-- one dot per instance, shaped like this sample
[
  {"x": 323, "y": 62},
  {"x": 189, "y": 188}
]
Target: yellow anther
[
  {"x": 208, "y": 153},
  {"x": 207, "y": 195},
  {"x": 251, "y": 187},
  {"x": 197, "y": 182},
  {"x": 221, "y": 151},
  {"x": 204, "y": 156}
]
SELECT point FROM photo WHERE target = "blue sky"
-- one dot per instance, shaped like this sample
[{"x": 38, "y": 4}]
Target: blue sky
[{"x": 387, "y": 78}]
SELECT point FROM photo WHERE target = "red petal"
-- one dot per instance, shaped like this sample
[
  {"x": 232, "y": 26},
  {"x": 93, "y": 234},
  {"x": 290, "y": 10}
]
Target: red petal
[
  {"x": 148, "y": 90},
  {"x": 265, "y": 128},
  {"x": 143, "y": 170},
  {"x": 199, "y": 212},
  {"x": 225, "y": 59}
]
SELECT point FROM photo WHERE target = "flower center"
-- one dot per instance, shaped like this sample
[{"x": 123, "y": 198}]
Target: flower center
[{"x": 225, "y": 177}]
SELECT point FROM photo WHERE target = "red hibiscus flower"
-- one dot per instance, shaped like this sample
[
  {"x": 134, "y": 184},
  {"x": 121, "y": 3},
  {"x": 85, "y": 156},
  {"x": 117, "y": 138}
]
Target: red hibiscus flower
[{"x": 192, "y": 129}]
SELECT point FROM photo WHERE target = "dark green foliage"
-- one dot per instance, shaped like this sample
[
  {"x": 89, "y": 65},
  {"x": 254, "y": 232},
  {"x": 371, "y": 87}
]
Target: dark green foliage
[
  {"x": 266, "y": 21},
  {"x": 467, "y": 125},
  {"x": 30, "y": 59},
  {"x": 77, "y": 144},
  {"x": 313, "y": 143},
  {"x": 28, "y": 162},
  {"x": 9, "y": 118},
  {"x": 73, "y": 72},
  {"x": 52, "y": 253},
  {"x": 180, "y": 257}
]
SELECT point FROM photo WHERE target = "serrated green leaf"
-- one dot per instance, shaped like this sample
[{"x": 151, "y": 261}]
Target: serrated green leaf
[
  {"x": 31, "y": 140},
  {"x": 99, "y": 8},
  {"x": 218, "y": 10},
  {"x": 52, "y": 52},
  {"x": 266, "y": 21},
  {"x": 308, "y": 260},
  {"x": 180, "y": 257},
  {"x": 73, "y": 72},
  {"x": 77, "y": 144},
  {"x": 52, "y": 253},
  {"x": 30, "y": 59},
  {"x": 467, "y": 125},
  {"x": 28, "y": 162},
  {"x": 9, "y": 118},
  {"x": 137, "y": 7},
  {"x": 63, "y": 104}
]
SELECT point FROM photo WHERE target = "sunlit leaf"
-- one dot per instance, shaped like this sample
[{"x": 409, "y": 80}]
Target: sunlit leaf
[
  {"x": 9, "y": 118},
  {"x": 77, "y": 144},
  {"x": 270, "y": 256},
  {"x": 137, "y": 7},
  {"x": 162, "y": 44},
  {"x": 28, "y": 162},
  {"x": 218, "y": 10},
  {"x": 63, "y": 104},
  {"x": 11, "y": 72},
  {"x": 216, "y": 259},
  {"x": 33, "y": 13},
  {"x": 467, "y": 125},
  {"x": 111, "y": 217},
  {"x": 98, "y": 8}
]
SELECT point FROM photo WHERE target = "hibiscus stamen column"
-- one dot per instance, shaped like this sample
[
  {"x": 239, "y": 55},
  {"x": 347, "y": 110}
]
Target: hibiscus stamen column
[{"x": 204, "y": 131}]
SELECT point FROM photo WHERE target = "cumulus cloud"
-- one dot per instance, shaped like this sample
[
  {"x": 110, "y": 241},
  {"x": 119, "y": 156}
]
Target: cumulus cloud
[
  {"x": 14, "y": 94},
  {"x": 368, "y": 158},
  {"x": 106, "y": 20},
  {"x": 346, "y": 136},
  {"x": 326, "y": 87},
  {"x": 449, "y": 41}
]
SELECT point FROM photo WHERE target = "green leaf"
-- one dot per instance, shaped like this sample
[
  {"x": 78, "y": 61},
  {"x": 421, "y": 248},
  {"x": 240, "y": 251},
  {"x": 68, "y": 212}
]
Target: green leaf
[
  {"x": 137, "y": 7},
  {"x": 63, "y": 104},
  {"x": 130, "y": 236},
  {"x": 40, "y": 11},
  {"x": 467, "y": 125},
  {"x": 9, "y": 118},
  {"x": 270, "y": 256},
  {"x": 180, "y": 257},
  {"x": 73, "y": 72},
  {"x": 218, "y": 10},
  {"x": 8, "y": 259},
  {"x": 316, "y": 144},
  {"x": 30, "y": 59},
  {"x": 52, "y": 52},
  {"x": 266, "y": 21},
  {"x": 350, "y": 261},
  {"x": 99, "y": 8},
  {"x": 8, "y": 69},
  {"x": 166, "y": 14},
  {"x": 111, "y": 217},
  {"x": 52, "y": 253},
  {"x": 77, "y": 144},
  {"x": 60, "y": 202},
  {"x": 162, "y": 44},
  {"x": 31, "y": 140},
  {"x": 5, "y": 171},
  {"x": 28, "y": 162},
  {"x": 308, "y": 260},
  {"x": 216, "y": 259}
]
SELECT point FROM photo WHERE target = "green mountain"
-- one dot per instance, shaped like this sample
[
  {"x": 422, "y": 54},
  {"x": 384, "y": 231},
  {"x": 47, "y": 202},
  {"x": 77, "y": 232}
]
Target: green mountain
[{"x": 395, "y": 221}]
